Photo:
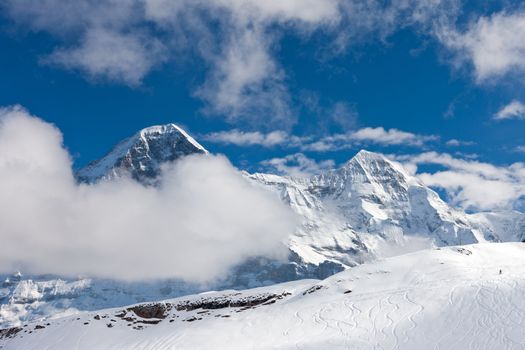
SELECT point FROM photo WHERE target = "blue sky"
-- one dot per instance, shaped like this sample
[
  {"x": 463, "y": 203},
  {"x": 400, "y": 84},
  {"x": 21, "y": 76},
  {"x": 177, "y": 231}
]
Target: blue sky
[{"x": 292, "y": 86}]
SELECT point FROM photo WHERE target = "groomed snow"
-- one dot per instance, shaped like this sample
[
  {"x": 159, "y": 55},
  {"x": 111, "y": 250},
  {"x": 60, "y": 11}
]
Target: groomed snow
[{"x": 448, "y": 298}]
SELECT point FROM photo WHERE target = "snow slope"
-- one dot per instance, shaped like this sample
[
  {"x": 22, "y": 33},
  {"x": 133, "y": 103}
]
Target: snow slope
[{"x": 445, "y": 298}]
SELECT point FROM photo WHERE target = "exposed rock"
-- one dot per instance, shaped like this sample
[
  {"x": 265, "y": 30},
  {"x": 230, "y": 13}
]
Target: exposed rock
[
  {"x": 156, "y": 310},
  {"x": 9, "y": 332},
  {"x": 225, "y": 301},
  {"x": 312, "y": 289}
]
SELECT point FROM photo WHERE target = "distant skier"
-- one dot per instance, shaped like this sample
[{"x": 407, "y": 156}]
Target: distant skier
[{"x": 500, "y": 271}]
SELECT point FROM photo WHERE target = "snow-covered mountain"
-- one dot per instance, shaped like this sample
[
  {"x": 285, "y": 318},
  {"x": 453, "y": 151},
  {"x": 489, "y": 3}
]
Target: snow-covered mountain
[
  {"x": 367, "y": 209},
  {"x": 507, "y": 226},
  {"x": 141, "y": 155},
  {"x": 347, "y": 212},
  {"x": 469, "y": 297},
  {"x": 368, "y": 204}
]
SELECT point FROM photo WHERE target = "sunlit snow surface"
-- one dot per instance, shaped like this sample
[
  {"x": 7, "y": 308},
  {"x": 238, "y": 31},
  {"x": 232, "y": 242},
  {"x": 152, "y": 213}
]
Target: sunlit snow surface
[{"x": 448, "y": 298}]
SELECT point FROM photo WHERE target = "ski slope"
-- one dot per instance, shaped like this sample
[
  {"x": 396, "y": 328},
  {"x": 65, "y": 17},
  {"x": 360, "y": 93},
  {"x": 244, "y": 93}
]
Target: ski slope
[{"x": 446, "y": 298}]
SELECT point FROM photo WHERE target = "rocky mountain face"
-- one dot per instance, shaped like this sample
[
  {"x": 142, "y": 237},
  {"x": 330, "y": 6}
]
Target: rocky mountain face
[
  {"x": 370, "y": 207},
  {"x": 141, "y": 155}
]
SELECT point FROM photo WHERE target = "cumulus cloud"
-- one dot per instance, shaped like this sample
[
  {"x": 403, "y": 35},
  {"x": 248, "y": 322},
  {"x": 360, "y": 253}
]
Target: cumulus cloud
[
  {"x": 298, "y": 165},
  {"x": 514, "y": 110},
  {"x": 492, "y": 44},
  {"x": 121, "y": 229},
  {"x": 472, "y": 184}
]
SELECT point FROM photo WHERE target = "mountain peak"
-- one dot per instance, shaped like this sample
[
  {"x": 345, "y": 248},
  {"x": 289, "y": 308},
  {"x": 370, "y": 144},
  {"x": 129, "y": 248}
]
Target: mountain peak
[
  {"x": 369, "y": 176},
  {"x": 369, "y": 155},
  {"x": 141, "y": 155},
  {"x": 376, "y": 162},
  {"x": 364, "y": 157},
  {"x": 363, "y": 153},
  {"x": 168, "y": 129}
]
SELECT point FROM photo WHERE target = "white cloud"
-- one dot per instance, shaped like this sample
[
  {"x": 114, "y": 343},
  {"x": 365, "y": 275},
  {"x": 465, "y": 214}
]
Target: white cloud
[
  {"x": 308, "y": 11},
  {"x": 368, "y": 135},
  {"x": 390, "y": 137},
  {"x": 246, "y": 11},
  {"x": 121, "y": 229},
  {"x": 457, "y": 143},
  {"x": 246, "y": 80},
  {"x": 298, "y": 165},
  {"x": 493, "y": 45},
  {"x": 473, "y": 184},
  {"x": 380, "y": 19},
  {"x": 335, "y": 142},
  {"x": 514, "y": 110},
  {"x": 105, "y": 40},
  {"x": 248, "y": 138},
  {"x": 122, "y": 41},
  {"x": 125, "y": 58},
  {"x": 453, "y": 142},
  {"x": 236, "y": 40}
]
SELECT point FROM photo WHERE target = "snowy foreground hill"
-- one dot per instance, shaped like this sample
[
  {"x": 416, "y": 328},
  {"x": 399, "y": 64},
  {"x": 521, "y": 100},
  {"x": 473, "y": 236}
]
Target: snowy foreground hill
[
  {"x": 368, "y": 208},
  {"x": 468, "y": 297}
]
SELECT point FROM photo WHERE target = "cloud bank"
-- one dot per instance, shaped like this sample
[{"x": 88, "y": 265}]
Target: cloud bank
[
  {"x": 203, "y": 219},
  {"x": 335, "y": 142}
]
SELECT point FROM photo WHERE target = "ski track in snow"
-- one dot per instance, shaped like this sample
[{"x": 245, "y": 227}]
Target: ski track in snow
[
  {"x": 393, "y": 323},
  {"x": 301, "y": 321}
]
